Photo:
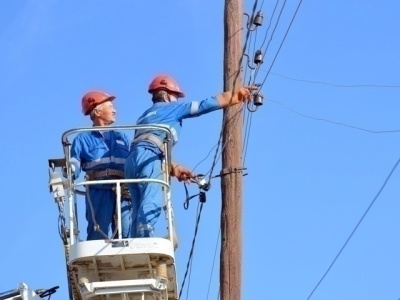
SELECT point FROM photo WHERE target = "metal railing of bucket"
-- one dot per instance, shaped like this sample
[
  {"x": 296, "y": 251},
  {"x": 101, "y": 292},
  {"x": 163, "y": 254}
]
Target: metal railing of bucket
[{"x": 72, "y": 187}]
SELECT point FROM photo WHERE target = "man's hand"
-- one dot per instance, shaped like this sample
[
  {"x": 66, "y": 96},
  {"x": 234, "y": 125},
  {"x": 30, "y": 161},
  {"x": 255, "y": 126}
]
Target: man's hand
[
  {"x": 244, "y": 93},
  {"x": 230, "y": 98},
  {"x": 181, "y": 173}
]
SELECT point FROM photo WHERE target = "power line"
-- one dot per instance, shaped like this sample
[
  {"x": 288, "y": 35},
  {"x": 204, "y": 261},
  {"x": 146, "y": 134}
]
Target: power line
[
  {"x": 212, "y": 268},
  {"x": 280, "y": 46},
  {"x": 337, "y": 85},
  {"x": 217, "y": 156},
  {"x": 189, "y": 262},
  {"x": 234, "y": 84},
  {"x": 355, "y": 228},
  {"x": 190, "y": 276},
  {"x": 276, "y": 26},
  {"x": 333, "y": 122},
  {"x": 269, "y": 25},
  {"x": 247, "y": 137},
  {"x": 205, "y": 157}
]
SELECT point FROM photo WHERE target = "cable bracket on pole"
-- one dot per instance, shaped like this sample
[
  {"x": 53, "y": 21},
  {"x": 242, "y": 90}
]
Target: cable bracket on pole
[{"x": 231, "y": 170}]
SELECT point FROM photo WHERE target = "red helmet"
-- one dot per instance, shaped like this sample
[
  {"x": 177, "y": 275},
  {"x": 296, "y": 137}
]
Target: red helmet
[
  {"x": 92, "y": 99},
  {"x": 166, "y": 83}
]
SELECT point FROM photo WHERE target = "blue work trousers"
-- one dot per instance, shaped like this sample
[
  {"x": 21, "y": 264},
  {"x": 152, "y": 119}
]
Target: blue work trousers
[
  {"x": 147, "y": 197},
  {"x": 102, "y": 208}
]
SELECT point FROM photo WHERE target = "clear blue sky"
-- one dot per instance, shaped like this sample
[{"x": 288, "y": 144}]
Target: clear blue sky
[{"x": 309, "y": 181}]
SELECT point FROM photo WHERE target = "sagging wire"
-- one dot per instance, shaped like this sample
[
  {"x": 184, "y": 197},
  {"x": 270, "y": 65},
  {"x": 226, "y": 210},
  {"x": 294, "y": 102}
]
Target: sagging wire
[
  {"x": 219, "y": 154},
  {"x": 338, "y": 85},
  {"x": 212, "y": 267},
  {"x": 203, "y": 188},
  {"x": 333, "y": 122},
  {"x": 355, "y": 228},
  {"x": 246, "y": 139},
  {"x": 273, "y": 32},
  {"x": 275, "y": 26},
  {"x": 192, "y": 248},
  {"x": 269, "y": 25},
  {"x": 209, "y": 152},
  {"x": 189, "y": 279},
  {"x": 280, "y": 46}
]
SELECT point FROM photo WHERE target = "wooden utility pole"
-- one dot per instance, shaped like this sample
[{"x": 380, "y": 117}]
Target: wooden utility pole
[{"x": 231, "y": 181}]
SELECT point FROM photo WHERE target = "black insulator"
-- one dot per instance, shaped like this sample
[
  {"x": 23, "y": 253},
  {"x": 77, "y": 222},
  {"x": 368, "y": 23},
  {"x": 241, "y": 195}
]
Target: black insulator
[
  {"x": 258, "y": 57},
  {"x": 258, "y": 19},
  {"x": 258, "y": 99},
  {"x": 202, "y": 197}
]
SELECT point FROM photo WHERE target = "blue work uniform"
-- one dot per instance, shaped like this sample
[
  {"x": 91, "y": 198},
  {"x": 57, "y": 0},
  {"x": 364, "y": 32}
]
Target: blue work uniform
[
  {"x": 96, "y": 151},
  {"x": 145, "y": 159}
]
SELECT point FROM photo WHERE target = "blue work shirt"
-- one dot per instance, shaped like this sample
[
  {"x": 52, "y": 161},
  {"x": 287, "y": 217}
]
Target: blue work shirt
[
  {"x": 96, "y": 150},
  {"x": 171, "y": 114}
]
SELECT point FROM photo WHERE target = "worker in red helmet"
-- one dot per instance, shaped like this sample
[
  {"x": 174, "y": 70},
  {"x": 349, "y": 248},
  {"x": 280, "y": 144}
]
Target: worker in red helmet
[
  {"x": 102, "y": 155},
  {"x": 145, "y": 158}
]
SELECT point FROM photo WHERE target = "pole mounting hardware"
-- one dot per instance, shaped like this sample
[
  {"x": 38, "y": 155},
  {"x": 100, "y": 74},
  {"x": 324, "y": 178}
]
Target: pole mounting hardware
[{"x": 231, "y": 170}]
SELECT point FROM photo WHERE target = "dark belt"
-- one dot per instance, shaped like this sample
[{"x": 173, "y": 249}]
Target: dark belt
[{"x": 96, "y": 174}]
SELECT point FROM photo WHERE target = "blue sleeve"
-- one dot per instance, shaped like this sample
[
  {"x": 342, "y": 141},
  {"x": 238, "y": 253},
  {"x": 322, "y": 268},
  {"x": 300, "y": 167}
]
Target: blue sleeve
[
  {"x": 197, "y": 108},
  {"x": 76, "y": 150}
]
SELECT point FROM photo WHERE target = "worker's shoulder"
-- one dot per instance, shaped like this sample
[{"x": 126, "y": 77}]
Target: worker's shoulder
[
  {"x": 86, "y": 136},
  {"x": 120, "y": 134}
]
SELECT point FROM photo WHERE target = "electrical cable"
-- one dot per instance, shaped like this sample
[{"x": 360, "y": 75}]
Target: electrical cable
[
  {"x": 233, "y": 88},
  {"x": 333, "y": 122},
  {"x": 234, "y": 83},
  {"x": 204, "y": 158},
  {"x": 190, "y": 276},
  {"x": 257, "y": 69},
  {"x": 246, "y": 141},
  {"x": 216, "y": 157},
  {"x": 270, "y": 21},
  {"x": 337, "y": 85},
  {"x": 275, "y": 26},
  {"x": 280, "y": 46},
  {"x": 212, "y": 267},
  {"x": 355, "y": 228},
  {"x": 192, "y": 249}
]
